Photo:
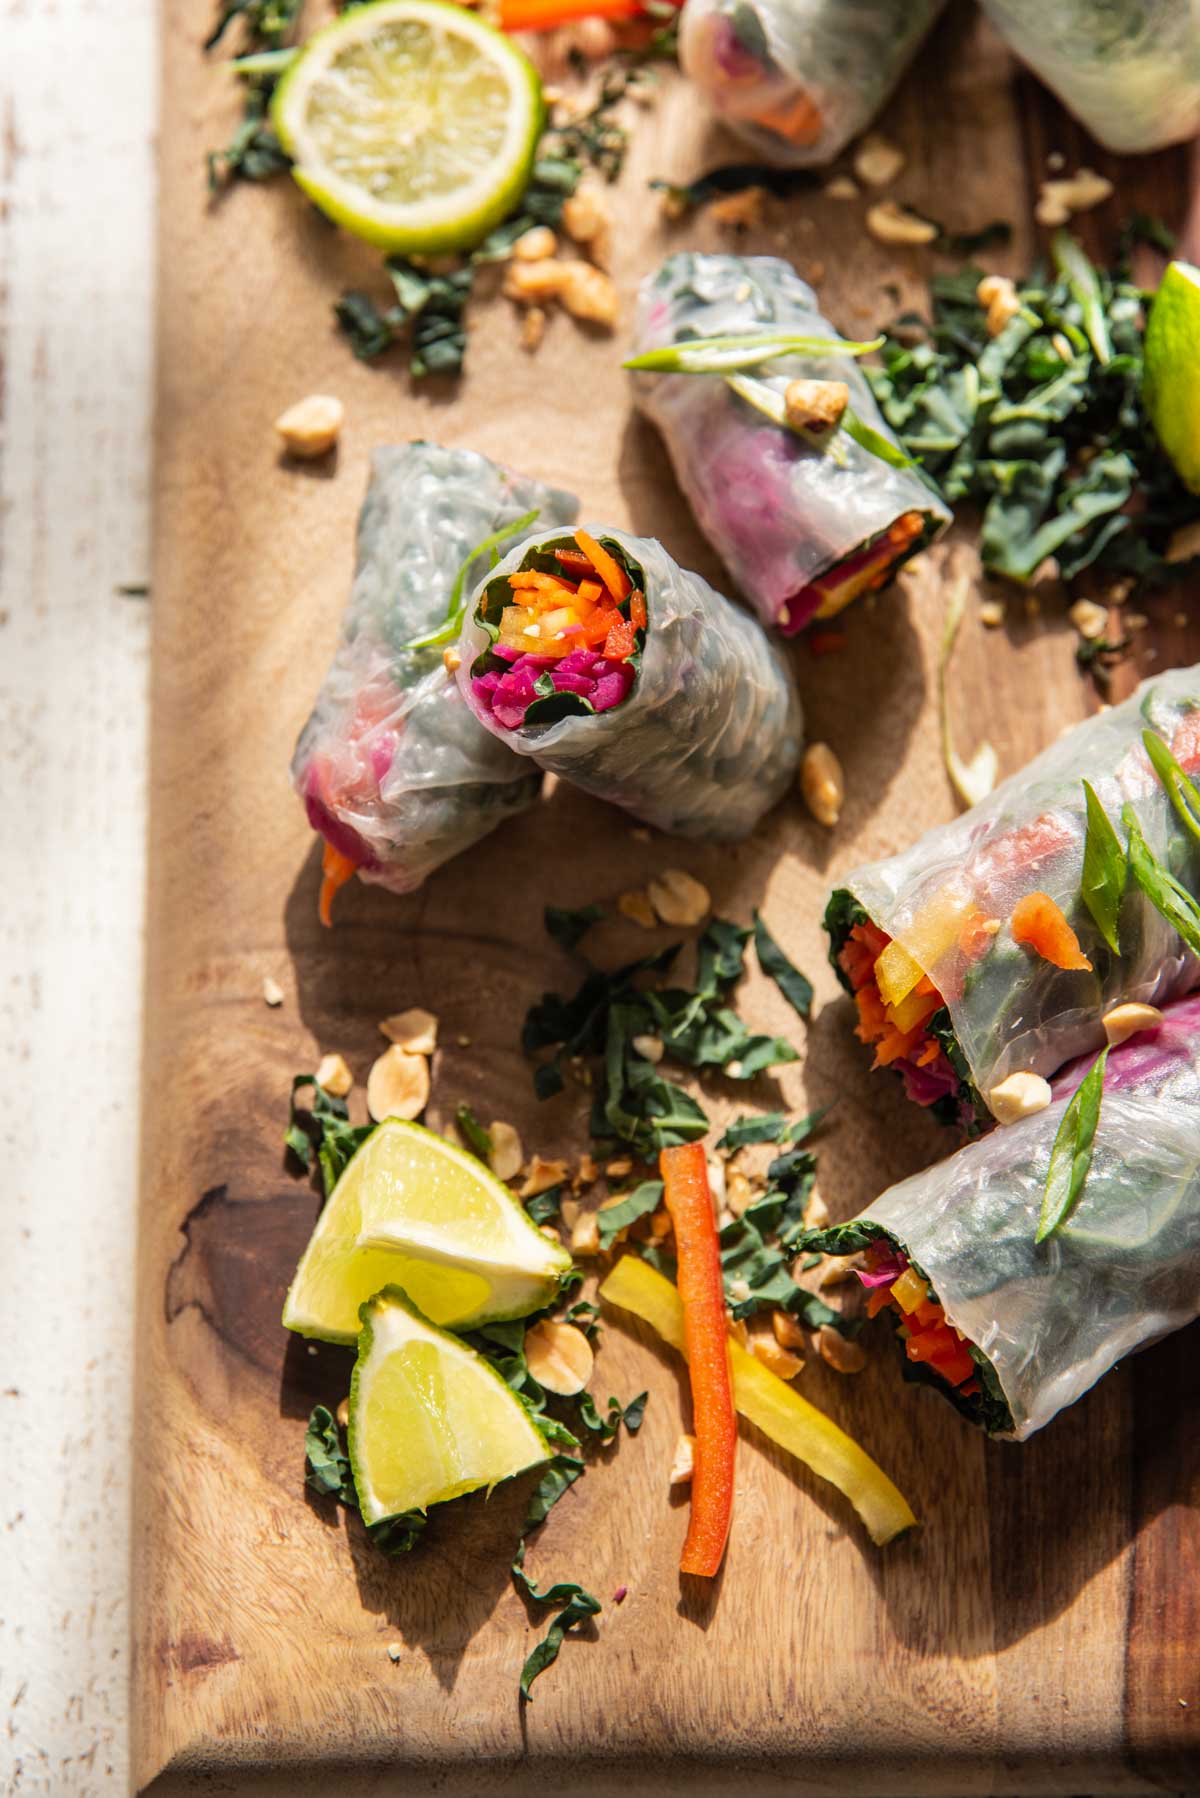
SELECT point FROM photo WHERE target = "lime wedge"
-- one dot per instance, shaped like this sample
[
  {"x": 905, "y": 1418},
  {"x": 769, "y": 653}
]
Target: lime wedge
[
  {"x": 412, "y": 123},
  {"x": 1171, "y": 381},
  {"x": 412, "y": 1210},
  {"x": 429, "y": 1418}
]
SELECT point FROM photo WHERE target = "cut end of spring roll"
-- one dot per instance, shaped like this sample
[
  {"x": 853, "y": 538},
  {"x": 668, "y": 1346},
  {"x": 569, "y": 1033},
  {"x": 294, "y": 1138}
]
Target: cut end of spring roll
[
  {"x": 807, "y": 516},
  {"x": 1013, "y": 1322},
  {"x": 593, "y": 654}
]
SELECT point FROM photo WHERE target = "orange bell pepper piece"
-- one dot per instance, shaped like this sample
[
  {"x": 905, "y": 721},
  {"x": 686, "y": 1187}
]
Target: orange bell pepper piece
[
  {"x": 702, "y": 1292},
  {"x": 1038, "y": 921},
  {"x": 637, "y": 610}
]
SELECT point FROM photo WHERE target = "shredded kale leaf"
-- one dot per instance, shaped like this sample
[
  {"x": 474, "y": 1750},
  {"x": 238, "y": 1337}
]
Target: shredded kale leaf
[
  {"x": 733, "y": 178},
  {"x": 326, "y": 1129},
  {"x": 568, "y": 927},
  {"x": 606, "y": 1427},
  {"x": 635, "y": 1103},
  {"x": 477, "y": 1139},
  {"x": 577, "y": 1607},
  {"x": 254, "y": 152},
  {"x": 795, "y": 986},
  {"x": 266, "y": 22},
  {"x": 638, "y": 1203},
  {"x": 430, "y": 308},
  {"x": 1041, "y": 426}
]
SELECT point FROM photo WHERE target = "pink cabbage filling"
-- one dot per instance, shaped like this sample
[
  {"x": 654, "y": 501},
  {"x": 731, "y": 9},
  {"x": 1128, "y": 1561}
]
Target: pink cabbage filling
[
  {"x": 508, "y": 696},
  {"x": 883, "y": 1270}
]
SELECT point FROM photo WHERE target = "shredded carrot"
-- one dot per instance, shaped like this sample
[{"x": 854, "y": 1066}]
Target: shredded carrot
[
  {"x": 800, "y": 121},
  {"x": 336, "y": 870},
  {"x": 974, "y": 938},
  {"x": 929, "y": 1054},
  {"x": 688, "y": 1200},
  {"x": 606, "y": 566},
  {"x": 1038, "y": 921},
  {"x": 590, "y": 592},
  {"x": 534, "y": 578}
]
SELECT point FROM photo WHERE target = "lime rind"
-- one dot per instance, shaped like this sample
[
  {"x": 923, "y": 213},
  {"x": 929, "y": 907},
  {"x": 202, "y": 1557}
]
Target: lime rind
[
  {"x": 350, "y": 1256},
  {"x": 1171, "y": 382},
  {"x": 392, "y": 1311},
  {"x": 463, "y": 213}
]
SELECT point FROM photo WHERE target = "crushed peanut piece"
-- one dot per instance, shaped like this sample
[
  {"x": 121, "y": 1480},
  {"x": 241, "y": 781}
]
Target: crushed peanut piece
[
  {"x": 415, "y": 1030},
  {"x": 766, "y": 1347},
  {"x": 815, "y": 405},
  {"x": 312, "y": 426},
  {"x": 892, "y": 223},
  {"x": 536, "y": 245},
  {"x": 878, "y": 161},
  {"x": 585, "y": 216},
  {"x": 529, "y": 283},
  {"x": 560, "y": 1356},
  {"x": 740, "y": 211},
  {"x": 1127, "y": 1020},
  {"x": 816, "y": 1213},
  {"x": 533, "y": 328},
  {"x": 1184, "y": 543},
  {"x": 738, "y": 1192},
  {"x": 541, "y": 1175},
  {"x": 398, "y": 1085},
  {"x": 343, "y": 1412},
  {"x": 788, "y": 1331},
  {"x": 588, "y": 1171},
  {"x": 737, "y": 1327},
  {"x": 507, "y": 1152},
  {"x": 617, "y": 1170},
  {"x": 650, "y": 1048},
  {"x": 451, "y": 659},
  {"x": 838, "y": 1270},
  {"x": 272, "y": 992},
  {"x": 679, "y": 898},
  {"x": 998, "y": 296},
  {"x": 585, "y": 1235},
  {"x": 1089, "y": 619},
  {"x": 1136, "y": 621},
  {"x": 716, "y": 1182},
  {"x": 660, "y": 1225},
  {"x": 1019, "y": 1097},
  {"x": 1058, "y": 199},
  {"x": 589, "y": 294},
  {"x": 395, "y": 1651},
  {"x": 739, "y": 1291},
  {"x": 992, "y": 614},
  {"x": 569, "y": 1211},
  {"x": 334, "y": 1075},
  {"x": 840, "y": 1352},
  {"x": 683, "y": 1461},
  {"x": 822, "y": 784},
  {"x": 841, "y": 188},
  {"x": 636, "y": 905}
]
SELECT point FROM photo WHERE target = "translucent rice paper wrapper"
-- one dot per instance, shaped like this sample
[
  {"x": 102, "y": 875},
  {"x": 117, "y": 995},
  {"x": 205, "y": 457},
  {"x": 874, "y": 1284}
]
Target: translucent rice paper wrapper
[
  {"x": 393, "y": 768},
  {"x": 799, "y": 78},
  {"x": 1011, "y": 1010},
  {"x": 707, "y": 739},
  {"x": 1129, "y": 69},
  {"x": 1124, "y": 1270},
  {"x": 778, "y": 511}
]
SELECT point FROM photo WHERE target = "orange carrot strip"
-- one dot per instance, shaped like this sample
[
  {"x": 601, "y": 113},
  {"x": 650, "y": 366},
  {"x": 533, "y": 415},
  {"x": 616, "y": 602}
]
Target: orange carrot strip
[
  {"x": 606, "y": 566},
  {"x": 589, "y": 592},
  {"x": 1038, "y": 921},
  {"x": 637, "y": 610},
  {"x": 544, "y": 15},
  {"x": 701, "y": 1289},
  {"x": 533, "y": 578},
  {"x": 336, "y": 870}
]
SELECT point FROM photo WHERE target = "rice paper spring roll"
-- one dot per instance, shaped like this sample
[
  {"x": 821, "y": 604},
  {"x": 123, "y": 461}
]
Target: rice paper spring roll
[
  {"x": 973, "y": 956},
  {"x": 799, "y": 78},
  {"x": 394, "y": 770},
  {"x": 955, "y": 1248},
  {"x": 804, "y": 524},
  {"x": 1129, "y": 69},
  {"x": 595, "y": 655}
]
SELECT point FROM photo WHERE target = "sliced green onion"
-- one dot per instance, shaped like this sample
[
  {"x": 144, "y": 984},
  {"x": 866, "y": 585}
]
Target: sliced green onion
[{"x": 728, "y": 355}]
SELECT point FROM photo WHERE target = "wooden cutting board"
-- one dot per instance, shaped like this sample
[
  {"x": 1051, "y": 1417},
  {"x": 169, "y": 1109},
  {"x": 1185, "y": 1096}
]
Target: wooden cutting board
[{"x": 1041, "y": 1631}]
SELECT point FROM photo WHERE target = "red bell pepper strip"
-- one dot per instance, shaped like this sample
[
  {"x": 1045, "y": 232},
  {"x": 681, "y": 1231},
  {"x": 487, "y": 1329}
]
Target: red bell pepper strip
[{"x": 702, "y": 1292}]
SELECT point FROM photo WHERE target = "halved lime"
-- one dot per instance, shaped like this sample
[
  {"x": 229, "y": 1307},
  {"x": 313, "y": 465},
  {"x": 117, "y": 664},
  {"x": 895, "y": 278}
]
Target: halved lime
[
  {"x": 1171, "y": 382},
  {"x": 412, "y": 1210},
  {"x": 429, "y": 1418},
  {"x": 412, "y": 123}
]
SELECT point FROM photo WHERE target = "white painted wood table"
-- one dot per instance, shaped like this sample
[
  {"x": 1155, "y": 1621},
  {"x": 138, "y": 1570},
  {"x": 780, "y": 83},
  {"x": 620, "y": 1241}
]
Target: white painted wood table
[{"x": 78, "y": 116}]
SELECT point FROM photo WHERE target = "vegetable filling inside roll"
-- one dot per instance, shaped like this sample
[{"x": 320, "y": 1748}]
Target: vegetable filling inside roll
[
  {"x": 866, "y": 570},
  {"x": 568, "y": 629}
]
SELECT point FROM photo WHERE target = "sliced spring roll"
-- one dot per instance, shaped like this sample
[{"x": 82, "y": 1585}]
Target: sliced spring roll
[
  {"x": 954, "y": 1249},
  {"x": 598, "y": 657},
  {"x": 803, "y": 524},
  {"x": 394, "y": 770},
  {"x": 799, "y": 78},
  {"x": 1128, "y": 69},
  {"x": 927, "y": 941}
]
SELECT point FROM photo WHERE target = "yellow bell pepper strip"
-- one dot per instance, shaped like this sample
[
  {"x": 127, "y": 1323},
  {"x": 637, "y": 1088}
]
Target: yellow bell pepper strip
[
  {"x": 771, "y": 1405},
  {"x": 688, "y": 1199},
  {"x": 336, "y": 870}
]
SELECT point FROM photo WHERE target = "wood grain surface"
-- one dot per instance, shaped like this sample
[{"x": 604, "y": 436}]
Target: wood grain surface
[{"x": 1040, "y": 1632}]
